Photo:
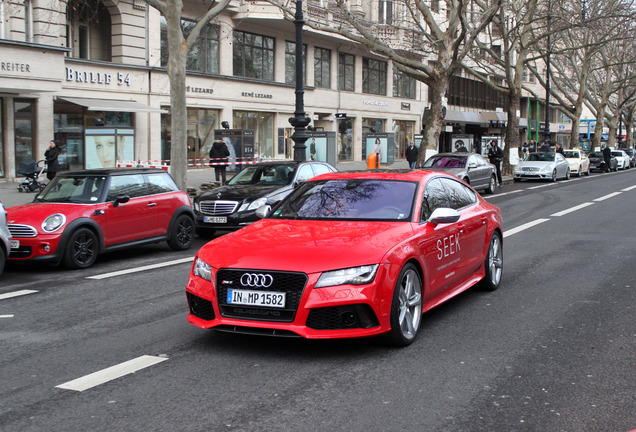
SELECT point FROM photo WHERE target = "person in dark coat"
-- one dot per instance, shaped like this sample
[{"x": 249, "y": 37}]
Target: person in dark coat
[
  {"x": 411, "y": 154},
  {"x": 495, "y": 156},
  {"x": 218, "y": 158},
  {"x": 50, "y": 156},
  {"x": 559, "y": 149},
  {"x": 607, "y": 157},
  {"x": 545, "y": 147}
]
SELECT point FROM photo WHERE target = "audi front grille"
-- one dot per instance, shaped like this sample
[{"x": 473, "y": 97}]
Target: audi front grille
[
  {"x": 18, "y": 230},
  {"x": 216, "y": 208},
  {"x": 291, "y": 283}
]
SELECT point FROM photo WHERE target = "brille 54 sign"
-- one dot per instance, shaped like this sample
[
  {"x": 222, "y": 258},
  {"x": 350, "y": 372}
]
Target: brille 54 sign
[{"x": 120, "y": 78}]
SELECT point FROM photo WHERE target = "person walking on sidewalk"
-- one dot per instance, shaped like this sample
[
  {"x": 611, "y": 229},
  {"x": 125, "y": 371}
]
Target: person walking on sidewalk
[
  {"x": 607, "y": 158},
  {"x": 218, "y": 158},
  {"x": 50, "y": 156},
  {"x": 495, "y": 155},
  {"x": 411, "y": 154}
]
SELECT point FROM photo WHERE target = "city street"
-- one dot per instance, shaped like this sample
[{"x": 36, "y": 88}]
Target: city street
[{"x": 554, "y": 349}]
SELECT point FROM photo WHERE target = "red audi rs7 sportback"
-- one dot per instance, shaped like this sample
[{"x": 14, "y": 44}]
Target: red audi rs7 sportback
[{"x": 350, "y": 254}]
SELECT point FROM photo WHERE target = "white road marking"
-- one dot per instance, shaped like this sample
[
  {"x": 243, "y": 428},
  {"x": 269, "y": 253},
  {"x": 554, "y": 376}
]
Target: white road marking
[
  {"x": 628, "y": 189},
  {"x": 16, "y": 294},
  {"x": 111, "y": 373},
  {"x": 571, "y": 209},
  {"x": 524, "y": 227},
  {"x": 542, "y": 186},
  {"x": 7, "y": 316},
  {"x": 139, "y": 269},
  {"x": 603, "y": 198},
  {"x": 501, "y": 194}
]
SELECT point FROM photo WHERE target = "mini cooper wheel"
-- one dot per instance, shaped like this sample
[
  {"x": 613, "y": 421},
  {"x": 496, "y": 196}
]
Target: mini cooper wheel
[
  {"x": 81, "y": 250},
  {"x": 494, "y": 263},
  {"x": 492, "y": 185},
  {"x": 182, "y": 233},
  {"x": 406, "y": 307}
]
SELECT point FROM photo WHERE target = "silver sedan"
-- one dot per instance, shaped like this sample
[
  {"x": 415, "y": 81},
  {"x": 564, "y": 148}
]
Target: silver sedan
[
  {"x": 470, "y": 167},
  {"x": 542, "y": 166}
]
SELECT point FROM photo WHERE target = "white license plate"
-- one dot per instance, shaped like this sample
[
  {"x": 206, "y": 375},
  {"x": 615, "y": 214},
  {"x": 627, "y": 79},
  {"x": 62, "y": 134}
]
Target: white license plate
[
  {"x": 256, "y": 298},
  {"x": 214, "y": 219},
  {"x": 15, "y": 244}
]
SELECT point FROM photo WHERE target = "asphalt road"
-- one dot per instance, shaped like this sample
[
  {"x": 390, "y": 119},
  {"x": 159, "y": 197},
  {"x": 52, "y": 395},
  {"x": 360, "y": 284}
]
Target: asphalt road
[{"x": 554, "y": 349}]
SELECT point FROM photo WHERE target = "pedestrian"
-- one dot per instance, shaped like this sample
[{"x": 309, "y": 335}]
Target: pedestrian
[
  {"x": 559, "y": 149},
  {"x": 312, "y": 150},
  {"x": 607, "y": 158},
  {"x": 411, "y": 154},
  {"x": 495, "y": 155},
  {"x": 218, "y": 159},
  {"x": 545, "y": 147},
  {"x": 532, "y": 147},
  {"x": 50, "y": 156},
  {"x": 524, "y": 150}
]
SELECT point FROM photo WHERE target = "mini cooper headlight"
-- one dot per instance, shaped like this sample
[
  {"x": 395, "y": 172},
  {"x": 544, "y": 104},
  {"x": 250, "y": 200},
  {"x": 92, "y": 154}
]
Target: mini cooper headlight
[
  {"x": 352, "y": 276},
  {"x": 53, "y": 222},
  {"x": 203, "y": 270}
]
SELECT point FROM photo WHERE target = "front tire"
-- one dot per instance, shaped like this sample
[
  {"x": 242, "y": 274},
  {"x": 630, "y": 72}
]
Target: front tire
[
  {"x": 406, "y": 307},
  {"x": 494, "y": 263},
  {"x": 3, "y": 260},
  {"x": 81, "y": 250},
  {"x": 567, "y": 174},
  {"x": 492, "y": 184},
  {"x": 182, "y": 233},
  {"x": 554, "y": 176}
]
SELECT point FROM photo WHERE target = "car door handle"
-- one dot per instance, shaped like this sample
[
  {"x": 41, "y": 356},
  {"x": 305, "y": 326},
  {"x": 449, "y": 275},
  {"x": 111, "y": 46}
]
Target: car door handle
[
  {"x": 98, "y": 212},
  {"x": 151, "y": 204},
  {"x": 483, "y": 220},
  {"x": 461, "y": 227}
]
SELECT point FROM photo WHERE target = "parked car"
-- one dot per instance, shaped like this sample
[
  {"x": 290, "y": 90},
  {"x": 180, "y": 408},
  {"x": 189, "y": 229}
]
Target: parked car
[
  {"x": 233, "y": 206},
  {"x": 597, "y": 163},
  {"x": 82, "y": 214},
  {"x": 5, "y": 238},
  {"x": 632, "y": 156},
  {"x": 544, "y": 166},
  {"x": 349, "y": 254},
  {"x": 622, "y": 158},
  {"x": 473, "y": 168},
  {"x": 579, "y": 162}
]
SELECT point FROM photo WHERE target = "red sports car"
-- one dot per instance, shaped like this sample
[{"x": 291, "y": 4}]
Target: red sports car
[
  {"x": 81, "y": 214},
  {"x": 350, "y": 255}
]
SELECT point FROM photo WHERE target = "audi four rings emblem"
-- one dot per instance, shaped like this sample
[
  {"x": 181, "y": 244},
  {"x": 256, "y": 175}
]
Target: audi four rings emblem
[{"x": 257, "y": 280}]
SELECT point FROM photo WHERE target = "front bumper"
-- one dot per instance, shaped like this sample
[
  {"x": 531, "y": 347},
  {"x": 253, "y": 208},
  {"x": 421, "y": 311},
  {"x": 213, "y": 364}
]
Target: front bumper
[
  {"x": 345, "y": 311},
  {"x": 532, "y": 175},
  {"x": 232, "y": 222},
  {"x": 42, "y": 248}
]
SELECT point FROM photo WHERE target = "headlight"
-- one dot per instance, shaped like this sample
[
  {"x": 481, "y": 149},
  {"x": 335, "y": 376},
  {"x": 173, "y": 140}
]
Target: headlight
[
  {"x": 256, "y": 204},
  {"x": 518, "y": 169},
  {"x": 546, "y": 169},
  {"x": 196, "y": 205},
  {"x": 53, "y": 222},
  {"x": 352, "y": 276},
  {"x": 203, "y": 270}
]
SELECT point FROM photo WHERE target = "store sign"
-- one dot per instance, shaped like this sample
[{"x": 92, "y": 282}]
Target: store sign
[
  {"x": 97, "y": 77},
  {"x": 406, "y": 106},
  {"x": 199, "y": 90},
  {"x": 15, "y": 67},
  {"x": 376, "y": 103},
  {"x": 256, "y": 95}
]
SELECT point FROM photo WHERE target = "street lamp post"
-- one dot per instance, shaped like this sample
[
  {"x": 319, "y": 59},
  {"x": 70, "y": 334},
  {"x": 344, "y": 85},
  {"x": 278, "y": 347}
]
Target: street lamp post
[{"x": 300, "y": 120}]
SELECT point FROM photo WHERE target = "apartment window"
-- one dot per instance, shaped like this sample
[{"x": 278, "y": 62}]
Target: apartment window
[
  {"x": 528, "y": 76},
  {"x": 253, "y": 56},
  {"x": 403, "y": 85},
  {"x": 373, "y": 76},
  {"x": 385, "y": 14},
  {"x": 322, "y": 67},
  {"x": 290, "y": 63},
  {"x": 88, "y": 30},
  {"x": 204, "y": 54},
  {"x": 346, "y": 71}
]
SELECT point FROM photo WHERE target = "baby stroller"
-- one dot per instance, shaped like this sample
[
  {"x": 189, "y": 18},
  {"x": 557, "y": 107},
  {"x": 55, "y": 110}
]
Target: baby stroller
[{"x": 32, "y": 171}]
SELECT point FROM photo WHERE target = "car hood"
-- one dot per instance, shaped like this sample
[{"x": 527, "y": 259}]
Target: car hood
[
  {"x": 239, "y": 192},
  {"x": 536, "y": 164},
  {"x": 34, "y": 213},
  {"x": 306, "y": 246}
]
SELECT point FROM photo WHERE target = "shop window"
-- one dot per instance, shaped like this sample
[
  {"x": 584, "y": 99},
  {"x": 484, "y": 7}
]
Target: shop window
[
  {"x": 403, "y": 85},
  {"x": 88, "y": 30},
  {"x": 262, "y": 123},
  {"x": 322, "y": 67},
  {"x": 24, "y": 125},
  {"x": 253, "y": 56},
  {"x": 371, "y": 125},
  {"x": 200, "y": 133},
  {"x": 346, "y": 71},
  {"x": 373, "y": 76},
  {"x": 385, "y": 14},
  {"x": 204, "y": 54},
  {"x": 290, "y": 63},
  {"x": 345, "y": 139}
]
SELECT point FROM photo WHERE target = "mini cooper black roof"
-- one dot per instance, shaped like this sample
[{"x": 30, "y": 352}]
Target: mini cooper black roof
[{"x": 110, "y": 172}]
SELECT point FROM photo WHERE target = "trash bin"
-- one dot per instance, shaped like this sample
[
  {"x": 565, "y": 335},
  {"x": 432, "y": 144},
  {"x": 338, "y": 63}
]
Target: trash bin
[{"x": 373, "y": 162}]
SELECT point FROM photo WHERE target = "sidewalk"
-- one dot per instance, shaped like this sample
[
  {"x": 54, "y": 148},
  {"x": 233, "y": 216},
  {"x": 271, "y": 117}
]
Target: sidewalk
[{"x": 10, "y": 196}]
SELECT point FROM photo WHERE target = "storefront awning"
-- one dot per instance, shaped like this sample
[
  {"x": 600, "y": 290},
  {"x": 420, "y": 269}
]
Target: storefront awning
[
  {"x": 463, "y": 117},
  {"x": 110, "y": 105},
  {"x": 494, "y": 116}
]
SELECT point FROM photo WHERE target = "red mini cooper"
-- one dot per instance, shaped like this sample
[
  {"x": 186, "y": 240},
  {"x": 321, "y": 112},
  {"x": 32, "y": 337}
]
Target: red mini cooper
[{"x": 81, "y": 214}]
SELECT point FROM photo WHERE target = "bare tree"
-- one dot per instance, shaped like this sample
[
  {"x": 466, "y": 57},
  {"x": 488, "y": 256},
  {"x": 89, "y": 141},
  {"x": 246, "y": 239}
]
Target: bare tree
[{"x": 439, "y": 38}]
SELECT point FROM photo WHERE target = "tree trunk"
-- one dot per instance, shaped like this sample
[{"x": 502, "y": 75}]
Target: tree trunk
[
  {"x": 512, "y": 129},
  {"x": 433, "y": 118}
]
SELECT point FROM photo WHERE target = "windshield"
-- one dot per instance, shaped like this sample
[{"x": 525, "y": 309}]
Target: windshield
[
  {"x": 571, "y": 154},
  {"x": 265, "y": 175},
  {"x": 541, "y": 157},
  {"x": 445, "y": 162},
  {"x": 596, "y": 154},
  {"x": 79, "y": 189},
  {"x": 350, "y": 199}
]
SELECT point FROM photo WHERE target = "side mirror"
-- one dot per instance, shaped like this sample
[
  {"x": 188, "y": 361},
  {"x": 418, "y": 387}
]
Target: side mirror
[
  {"x": 122, "y": 198},
  {"x": 472, "y": 165},
  {"x": 443, "y": 215},
  {"x": 263, "y": 211}
]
